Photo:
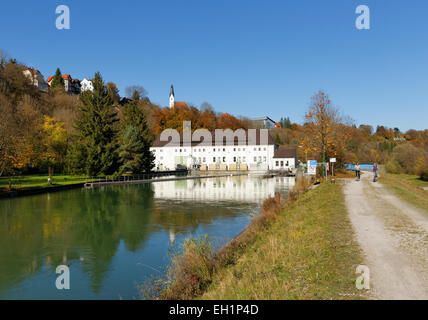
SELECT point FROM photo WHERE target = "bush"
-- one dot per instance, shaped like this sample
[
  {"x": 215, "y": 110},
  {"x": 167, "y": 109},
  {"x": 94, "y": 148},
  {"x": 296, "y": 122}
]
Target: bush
[
  {"x": 407, "y": 156},
  {"x": 191, "y": 272},
  {"x": 423, "y": 171},
  {"x": 392, "y": 166}
]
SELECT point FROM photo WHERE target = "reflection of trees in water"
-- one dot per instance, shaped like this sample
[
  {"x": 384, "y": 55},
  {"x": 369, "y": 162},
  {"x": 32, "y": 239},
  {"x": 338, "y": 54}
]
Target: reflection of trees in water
[
  {"x": 188, "y": 215},
  {"x": 85, "y": 227},
  {"x": 57, "y": 228}
]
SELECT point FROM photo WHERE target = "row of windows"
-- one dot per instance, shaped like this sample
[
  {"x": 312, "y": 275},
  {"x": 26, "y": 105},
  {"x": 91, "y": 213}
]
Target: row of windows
[
  {"x": 235, "y": 159},
  {"x": 218, "y": 149},
  {"x": 282, "y": 163}
]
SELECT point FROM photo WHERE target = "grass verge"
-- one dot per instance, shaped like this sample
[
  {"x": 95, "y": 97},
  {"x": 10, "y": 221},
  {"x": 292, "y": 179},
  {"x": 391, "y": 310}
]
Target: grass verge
[
  {"x": 31, "y": 182},
  {"x": 304, "y": 250},
  {"x": 408, "y": 188}
]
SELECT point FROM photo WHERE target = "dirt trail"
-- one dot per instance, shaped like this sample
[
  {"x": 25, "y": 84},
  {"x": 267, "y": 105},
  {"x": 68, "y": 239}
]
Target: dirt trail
[{"x": 394, "y": 238}]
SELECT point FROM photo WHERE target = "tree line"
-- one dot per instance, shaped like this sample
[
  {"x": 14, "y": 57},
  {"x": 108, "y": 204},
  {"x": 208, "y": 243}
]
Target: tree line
[
  {"x": 98, "y": 133},
  {"x": 327, "y": 133}
]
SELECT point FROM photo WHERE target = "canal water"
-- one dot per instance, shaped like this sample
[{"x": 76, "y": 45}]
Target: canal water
[{"x": 116, "y": 238}]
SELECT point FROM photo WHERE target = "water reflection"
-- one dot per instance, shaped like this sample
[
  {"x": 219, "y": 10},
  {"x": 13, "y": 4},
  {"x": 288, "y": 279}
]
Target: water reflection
[{"x": 105, "y": 235}]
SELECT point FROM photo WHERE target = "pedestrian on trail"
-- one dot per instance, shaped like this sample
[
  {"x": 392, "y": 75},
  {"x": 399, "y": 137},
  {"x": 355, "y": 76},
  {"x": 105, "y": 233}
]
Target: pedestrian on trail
[
  {"x": 375, "y": 169},
  {"x": 357, "y": 171}
]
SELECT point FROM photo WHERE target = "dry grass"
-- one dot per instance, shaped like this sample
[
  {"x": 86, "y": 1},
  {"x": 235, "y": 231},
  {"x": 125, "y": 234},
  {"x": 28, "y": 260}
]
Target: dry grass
[
  {"x": 307, "y": 253},
  {"x": 408, "y": 188}
]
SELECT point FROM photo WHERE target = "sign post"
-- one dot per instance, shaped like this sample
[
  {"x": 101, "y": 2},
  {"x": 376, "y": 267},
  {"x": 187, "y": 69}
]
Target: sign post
[
  {"x": 312, "y": 167},
  {"x": 332, "y": 160}
]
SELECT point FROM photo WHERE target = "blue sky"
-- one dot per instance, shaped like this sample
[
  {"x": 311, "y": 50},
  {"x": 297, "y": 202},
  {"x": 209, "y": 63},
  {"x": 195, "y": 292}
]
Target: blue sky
[{"x": 245, "y": 57}]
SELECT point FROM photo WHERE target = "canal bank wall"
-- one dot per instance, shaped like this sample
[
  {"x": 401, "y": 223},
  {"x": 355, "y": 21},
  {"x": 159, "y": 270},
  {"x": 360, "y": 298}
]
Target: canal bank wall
[
  {"x": 113, "y": 183},
  {"x": 30, "y": 192}
]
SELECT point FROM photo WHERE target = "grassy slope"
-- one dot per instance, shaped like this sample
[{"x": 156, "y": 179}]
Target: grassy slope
[
  {"x": 407, "y": 187},
  {"x": 308, "y": 253}
]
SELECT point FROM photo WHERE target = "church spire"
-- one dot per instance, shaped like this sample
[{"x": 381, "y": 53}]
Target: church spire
[{"x": 171, "y": 97}]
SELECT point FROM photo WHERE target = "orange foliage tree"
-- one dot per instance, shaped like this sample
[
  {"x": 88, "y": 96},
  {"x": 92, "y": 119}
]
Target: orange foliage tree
[{"x": 325, "y": 134}]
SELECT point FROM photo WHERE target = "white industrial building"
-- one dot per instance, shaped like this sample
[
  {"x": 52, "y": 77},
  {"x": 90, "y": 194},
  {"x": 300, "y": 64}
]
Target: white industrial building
[{"x": 256, "y": 155}]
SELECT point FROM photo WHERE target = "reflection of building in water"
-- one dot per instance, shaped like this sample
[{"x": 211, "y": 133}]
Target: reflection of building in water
[{"x": 242, "y": 188}]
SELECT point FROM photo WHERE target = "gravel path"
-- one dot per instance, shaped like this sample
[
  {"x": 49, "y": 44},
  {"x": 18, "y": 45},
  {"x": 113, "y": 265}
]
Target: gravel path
[{"x": 394, "y": 238}]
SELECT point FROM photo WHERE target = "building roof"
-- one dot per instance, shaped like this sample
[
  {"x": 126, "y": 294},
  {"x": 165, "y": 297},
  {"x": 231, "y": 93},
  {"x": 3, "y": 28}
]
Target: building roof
[
  {"x": 158, "y": 143},
  {"x": 33, "y": 71},
  {"x": 263, "y": 119},
  {"x": 64, "y": 76},
  {"x": 171, "y": 91},
  {"x": 180, "y": 104},
  {"x": 284, "y": 153}
]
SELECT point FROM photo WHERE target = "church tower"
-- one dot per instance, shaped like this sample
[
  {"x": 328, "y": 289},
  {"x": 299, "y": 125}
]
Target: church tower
[{"x": 171, "y": 97}]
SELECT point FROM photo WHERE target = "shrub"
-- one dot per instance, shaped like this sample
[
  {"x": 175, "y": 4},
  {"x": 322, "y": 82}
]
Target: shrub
[
  {"x": 392, "y": 166},
  {"x": 407, "y": 156},
  {"x": 191, "y": 272},
  {"x": 423, "y": 170}
]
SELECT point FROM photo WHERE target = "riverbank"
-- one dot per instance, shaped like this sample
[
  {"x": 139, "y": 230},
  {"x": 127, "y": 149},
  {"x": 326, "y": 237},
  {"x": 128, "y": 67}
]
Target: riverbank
[
  {"x": 305, "y": 250},
  {"x": 36, "y": 184},
  {"x": 407, "y": 187}
]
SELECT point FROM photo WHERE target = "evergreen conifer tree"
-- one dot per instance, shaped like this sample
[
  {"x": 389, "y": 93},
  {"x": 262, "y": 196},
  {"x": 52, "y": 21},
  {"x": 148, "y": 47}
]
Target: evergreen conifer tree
[
  {"x": 96, "y": 126},
  {"x": 57, "y": 80},
  {"x": 134, "y": 116}
]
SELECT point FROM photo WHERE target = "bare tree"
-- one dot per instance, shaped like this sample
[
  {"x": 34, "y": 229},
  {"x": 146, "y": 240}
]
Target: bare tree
[{"x": 136, "y": 92}]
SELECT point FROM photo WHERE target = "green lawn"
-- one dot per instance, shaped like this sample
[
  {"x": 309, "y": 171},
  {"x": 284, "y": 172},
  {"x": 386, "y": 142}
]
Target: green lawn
[
  {"x": 39, "y": 181},
  {"x": 408, "y": 188},
  {"x": 308, "y": 253}
]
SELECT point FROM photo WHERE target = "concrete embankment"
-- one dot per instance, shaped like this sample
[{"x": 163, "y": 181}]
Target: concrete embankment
[{"x": 113, "y": 183}]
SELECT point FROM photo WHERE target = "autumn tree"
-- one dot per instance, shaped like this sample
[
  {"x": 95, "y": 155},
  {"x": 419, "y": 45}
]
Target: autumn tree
[
  {"x": 54, "y": 142},
  {"x": 325, "y": 134}
]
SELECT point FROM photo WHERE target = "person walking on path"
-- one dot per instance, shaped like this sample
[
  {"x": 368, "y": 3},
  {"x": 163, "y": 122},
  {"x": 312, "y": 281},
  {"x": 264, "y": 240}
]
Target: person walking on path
[
  {"x": 357, "y": 171},
  {"x": 375, "y": 169}
]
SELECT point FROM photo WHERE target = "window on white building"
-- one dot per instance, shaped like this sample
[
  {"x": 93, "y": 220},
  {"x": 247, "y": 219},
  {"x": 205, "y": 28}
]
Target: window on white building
[
  {"x": 282, "y": 163},
  {"x": 214, "y": 159},
  {"x": 234, "y": 159},
  {"x": 255, "y": 159},
  {"x": 224, "y": 159},
  {"x": 277, "y": 163},
  {"x": 264, "y": 159},
  {"x": 203, "y": 159}
]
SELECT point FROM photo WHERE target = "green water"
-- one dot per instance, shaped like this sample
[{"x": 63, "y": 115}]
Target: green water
[{"x": 115, "y": 238}]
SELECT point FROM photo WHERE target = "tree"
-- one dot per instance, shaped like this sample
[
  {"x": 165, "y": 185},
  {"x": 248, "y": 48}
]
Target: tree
[
  {"x": 285, "y": 123},
  {"x": 134, "y": 116},
  {"x": 325, "y": 134},
  {"x": 131, "y": 151},
  {"x": 57, "y": 80},
  {"x": 96, "y": 129},
  {"x": 136, "y": 92},
  {"x": 55, "y": 143},
  {"x": 113, "y": 91}
]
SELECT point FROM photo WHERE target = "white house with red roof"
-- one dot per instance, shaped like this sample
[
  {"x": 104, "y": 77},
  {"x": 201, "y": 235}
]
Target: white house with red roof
[{"x": 70, "y": 85}]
